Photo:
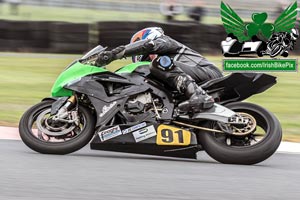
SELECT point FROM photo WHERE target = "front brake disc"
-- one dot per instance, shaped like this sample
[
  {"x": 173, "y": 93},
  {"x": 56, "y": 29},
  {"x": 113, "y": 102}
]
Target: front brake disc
[{"x": 45, "y": 127}]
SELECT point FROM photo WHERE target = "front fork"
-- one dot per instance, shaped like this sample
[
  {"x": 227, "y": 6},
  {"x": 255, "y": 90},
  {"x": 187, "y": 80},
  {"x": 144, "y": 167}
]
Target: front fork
[{"x": 61, "y": 110}]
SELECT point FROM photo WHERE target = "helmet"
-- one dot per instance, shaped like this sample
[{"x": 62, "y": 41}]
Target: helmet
[
  {"x": 294, "y": 34},
  {"x": 150, "y": 33}
]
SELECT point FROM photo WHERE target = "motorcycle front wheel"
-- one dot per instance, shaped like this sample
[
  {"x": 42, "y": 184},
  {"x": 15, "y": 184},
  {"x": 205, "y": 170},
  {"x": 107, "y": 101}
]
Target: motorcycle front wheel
[
  {"x": 42, "y": 134},
  {"x": 276, "y": 50},
  {"x": 250, "y": 144}
]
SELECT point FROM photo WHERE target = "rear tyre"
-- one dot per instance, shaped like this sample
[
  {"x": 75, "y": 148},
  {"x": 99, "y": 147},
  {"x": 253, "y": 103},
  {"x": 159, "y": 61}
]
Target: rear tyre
[
  {"x": 252, "y": 148},
  {"x": 34, "y": 130}
]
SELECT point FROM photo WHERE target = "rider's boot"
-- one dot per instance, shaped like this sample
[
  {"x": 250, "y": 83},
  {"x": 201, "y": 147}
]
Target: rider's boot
[{"x": 198, "y": 98}]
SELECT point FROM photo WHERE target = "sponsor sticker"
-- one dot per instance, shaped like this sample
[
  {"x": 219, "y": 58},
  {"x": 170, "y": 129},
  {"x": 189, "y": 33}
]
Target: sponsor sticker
[
  {"x": 144, "y": 133},
  {"x": 110, "y": 133},
  {"x": 134, "y": 128},
  {"x": 170, "y": 135},
  {"x": 106, "y": 108}
]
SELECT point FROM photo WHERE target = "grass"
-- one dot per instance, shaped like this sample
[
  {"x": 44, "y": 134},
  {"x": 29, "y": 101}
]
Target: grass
[
  {"x": 82, "y": 15},
  {"x": 27, "y": 78},
  {"x": 23, "y": 81}
]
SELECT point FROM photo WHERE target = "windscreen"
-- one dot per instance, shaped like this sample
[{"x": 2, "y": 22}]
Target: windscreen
[{"x": 94, "y": 51}]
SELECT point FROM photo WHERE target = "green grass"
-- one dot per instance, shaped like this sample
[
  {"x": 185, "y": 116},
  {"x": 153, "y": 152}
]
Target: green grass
[
  {"x": 27, "y": 78},
  {"x": 42, "y": 13},
  {"x": 23, "y": 81}
]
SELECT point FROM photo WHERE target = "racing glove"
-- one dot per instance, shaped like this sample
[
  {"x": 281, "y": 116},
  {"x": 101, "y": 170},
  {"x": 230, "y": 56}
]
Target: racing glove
[{"x": 106, "y": 57}]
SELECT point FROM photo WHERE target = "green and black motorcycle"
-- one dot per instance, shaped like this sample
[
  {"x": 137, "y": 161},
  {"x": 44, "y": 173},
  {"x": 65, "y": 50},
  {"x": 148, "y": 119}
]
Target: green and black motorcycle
[{"x": 131, "y": 111}]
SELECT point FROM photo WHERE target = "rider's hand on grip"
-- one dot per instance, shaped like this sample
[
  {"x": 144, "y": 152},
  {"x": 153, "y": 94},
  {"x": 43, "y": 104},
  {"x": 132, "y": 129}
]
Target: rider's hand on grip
[
  {"x": 106, "y": 57},
  {"x": 118, "y": 52}
]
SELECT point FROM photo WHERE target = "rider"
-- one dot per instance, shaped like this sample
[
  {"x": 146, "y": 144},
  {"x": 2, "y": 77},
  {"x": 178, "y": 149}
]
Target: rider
[
  {"x": 172, "y": 62},
  {"x": 284, "y": 39}
]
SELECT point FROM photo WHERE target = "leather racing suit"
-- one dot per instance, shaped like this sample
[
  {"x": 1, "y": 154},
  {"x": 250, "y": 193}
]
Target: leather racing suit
[{"x": 188, "y": 68}]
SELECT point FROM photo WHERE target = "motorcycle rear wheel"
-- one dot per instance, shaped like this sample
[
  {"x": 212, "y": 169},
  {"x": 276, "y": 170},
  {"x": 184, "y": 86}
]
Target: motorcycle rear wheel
[
  {"x": 35, "y": 135},
  {"x": 241, "y": 149}
]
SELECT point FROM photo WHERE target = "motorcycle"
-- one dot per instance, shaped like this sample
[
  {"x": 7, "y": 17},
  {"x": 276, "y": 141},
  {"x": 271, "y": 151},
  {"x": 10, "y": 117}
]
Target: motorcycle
[
  {"x": 131, "y": 111},
  {"x": 280, "y": 44}
]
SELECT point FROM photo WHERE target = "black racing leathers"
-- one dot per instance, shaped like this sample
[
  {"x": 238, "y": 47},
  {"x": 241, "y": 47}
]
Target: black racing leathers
[
  {"x": 189, "y": 69},
  {"x": 187, "y": 60}
]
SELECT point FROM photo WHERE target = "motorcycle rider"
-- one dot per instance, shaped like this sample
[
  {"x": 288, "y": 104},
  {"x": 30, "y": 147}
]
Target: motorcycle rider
[
  {"x": 172, "y": 62},
  {"x": 285, "y": 39}
]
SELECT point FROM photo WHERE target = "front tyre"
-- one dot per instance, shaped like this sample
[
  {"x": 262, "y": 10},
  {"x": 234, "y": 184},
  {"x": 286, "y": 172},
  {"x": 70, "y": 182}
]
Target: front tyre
[
  {"x": 41, "y": 134},
  {"x": 250, "y": 148},
  {"x": 276, "y": 51}
]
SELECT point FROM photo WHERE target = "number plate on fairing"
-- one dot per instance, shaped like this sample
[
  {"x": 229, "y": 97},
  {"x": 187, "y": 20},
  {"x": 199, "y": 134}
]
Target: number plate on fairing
[{"x": 170, "y": 135}]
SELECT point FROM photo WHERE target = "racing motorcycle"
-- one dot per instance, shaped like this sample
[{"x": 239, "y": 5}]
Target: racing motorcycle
[
  {"x": 131, "y": 111},
  {"x": 280, "y": 43}
]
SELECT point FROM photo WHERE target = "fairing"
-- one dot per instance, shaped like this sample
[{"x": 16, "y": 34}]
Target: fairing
[
  {"x": 78, "y": 70},
  {"x": 71, "y": 74},
  {"x": 238, "y": 86},
  {"x": 125, "y": 142}
]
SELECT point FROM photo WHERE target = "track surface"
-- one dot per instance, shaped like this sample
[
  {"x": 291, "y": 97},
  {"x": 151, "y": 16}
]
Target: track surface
[{"x": 89, "y": 174}]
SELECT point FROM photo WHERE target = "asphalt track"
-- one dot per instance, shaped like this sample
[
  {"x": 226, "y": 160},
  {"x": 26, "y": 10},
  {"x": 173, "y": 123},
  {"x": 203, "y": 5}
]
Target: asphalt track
[{"x": 89, "y": 174}]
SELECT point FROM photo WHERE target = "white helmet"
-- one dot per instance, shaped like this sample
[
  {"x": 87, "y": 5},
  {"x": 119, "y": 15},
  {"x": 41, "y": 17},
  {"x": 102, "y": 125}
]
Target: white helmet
[{"x": 294, "y": 34}]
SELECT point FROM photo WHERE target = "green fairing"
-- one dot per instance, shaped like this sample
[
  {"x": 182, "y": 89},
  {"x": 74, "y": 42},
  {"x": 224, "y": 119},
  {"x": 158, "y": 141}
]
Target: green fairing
[
  {"x": 78, "y": 70},
  {"x": 131, "y": 67}
]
